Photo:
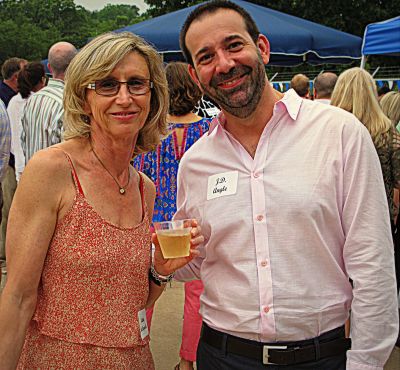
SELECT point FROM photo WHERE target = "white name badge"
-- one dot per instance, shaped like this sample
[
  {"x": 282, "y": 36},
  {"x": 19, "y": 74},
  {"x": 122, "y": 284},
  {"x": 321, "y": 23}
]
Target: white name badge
[
  {"x": 212, "y": 112},
  {"x": 144, "y": 330},
  {"x": 222, "y": 184}
]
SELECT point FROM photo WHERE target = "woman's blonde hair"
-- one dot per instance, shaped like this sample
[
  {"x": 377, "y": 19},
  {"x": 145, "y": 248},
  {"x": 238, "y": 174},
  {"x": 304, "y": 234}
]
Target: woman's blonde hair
[
  {"x": 355, "y": 91},
  {"x": 390, "y": 104},
  {"x": 96, "y": 61}
]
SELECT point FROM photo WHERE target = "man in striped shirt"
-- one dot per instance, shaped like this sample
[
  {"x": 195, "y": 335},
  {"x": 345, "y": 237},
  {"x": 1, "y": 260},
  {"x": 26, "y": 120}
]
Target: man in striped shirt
[
  {"x": 42, "y": 117},
  {"x": 5, "y": 143}
]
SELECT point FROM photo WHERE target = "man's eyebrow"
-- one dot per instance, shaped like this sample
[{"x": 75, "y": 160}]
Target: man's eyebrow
[
  {"x": 232, "y": 37},
  {"x": 201, "y": 51},
  {"x": 226, "y": 40}
]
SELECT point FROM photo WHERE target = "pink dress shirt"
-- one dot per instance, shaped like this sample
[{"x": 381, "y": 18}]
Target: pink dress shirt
[{"x": 309, "y": 211}]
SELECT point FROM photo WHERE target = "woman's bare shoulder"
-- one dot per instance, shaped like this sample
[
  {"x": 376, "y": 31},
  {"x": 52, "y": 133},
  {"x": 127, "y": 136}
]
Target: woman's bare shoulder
[{"x": 48, "y": 163}]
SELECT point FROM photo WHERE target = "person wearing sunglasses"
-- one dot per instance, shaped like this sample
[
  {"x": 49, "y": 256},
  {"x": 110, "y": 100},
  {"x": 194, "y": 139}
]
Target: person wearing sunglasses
[{"x": 80, "y": 268}]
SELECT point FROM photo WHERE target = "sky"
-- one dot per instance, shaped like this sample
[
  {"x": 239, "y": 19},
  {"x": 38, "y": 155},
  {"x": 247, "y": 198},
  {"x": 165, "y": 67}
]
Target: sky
[{"x": 99, "y": 4}]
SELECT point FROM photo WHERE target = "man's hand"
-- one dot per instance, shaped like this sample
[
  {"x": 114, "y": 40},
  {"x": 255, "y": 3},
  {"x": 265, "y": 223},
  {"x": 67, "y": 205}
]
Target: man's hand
[{"x": 166, "y": 266}]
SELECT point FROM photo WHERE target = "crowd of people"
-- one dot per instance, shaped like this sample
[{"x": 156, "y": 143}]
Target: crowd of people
[{"x": 293, "y": 200}]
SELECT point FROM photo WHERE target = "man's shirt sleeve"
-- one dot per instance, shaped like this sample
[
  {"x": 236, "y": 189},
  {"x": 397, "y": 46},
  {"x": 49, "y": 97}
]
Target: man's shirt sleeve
[
  {"x": 368, "y": 255},
  {"x": 5, "y": 140}
]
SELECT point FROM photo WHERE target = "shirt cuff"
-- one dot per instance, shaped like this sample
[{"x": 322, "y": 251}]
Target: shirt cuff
[{"x": 351, "y": 365}]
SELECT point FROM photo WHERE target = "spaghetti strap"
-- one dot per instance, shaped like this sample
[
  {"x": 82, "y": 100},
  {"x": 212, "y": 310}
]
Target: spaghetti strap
[
  {"x": 141, "y": 189},
  {"x": 74, "y": 175}
]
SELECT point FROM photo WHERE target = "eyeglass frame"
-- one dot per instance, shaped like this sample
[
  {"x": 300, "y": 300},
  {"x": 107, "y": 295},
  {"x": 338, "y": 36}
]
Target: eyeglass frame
[{"x": 92, "y": 86}]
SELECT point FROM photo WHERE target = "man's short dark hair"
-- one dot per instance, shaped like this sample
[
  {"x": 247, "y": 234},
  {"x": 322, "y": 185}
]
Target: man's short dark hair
[
  {"x": 210, "y": 8},
  {"x": 301, "y": 84},
  {"x": 10, "y": 66},
  {"x": 324, "y": 84}
]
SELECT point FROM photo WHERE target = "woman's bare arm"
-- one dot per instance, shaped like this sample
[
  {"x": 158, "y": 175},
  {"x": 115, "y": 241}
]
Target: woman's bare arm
[{"x": 31, "y": 224}]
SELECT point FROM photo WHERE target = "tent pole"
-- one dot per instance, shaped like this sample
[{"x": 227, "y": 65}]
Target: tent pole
[
  {"x": 376, "y": 71},
  {"x": 363, "y": 60},
  {"x": 272, "y": 78}
]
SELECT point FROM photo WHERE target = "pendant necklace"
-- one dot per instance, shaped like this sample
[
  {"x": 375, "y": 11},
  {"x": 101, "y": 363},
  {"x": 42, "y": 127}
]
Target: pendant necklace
[{"x": 122, "y": 189}]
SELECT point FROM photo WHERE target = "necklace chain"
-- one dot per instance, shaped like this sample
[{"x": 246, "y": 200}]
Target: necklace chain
[{"x": 122, "y": 189}]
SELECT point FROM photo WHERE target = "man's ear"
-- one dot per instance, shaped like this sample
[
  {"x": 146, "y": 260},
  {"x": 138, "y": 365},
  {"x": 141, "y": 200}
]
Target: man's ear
[
  {"x": 264, "y": 48},
  {"x": 193, "y": 75}
]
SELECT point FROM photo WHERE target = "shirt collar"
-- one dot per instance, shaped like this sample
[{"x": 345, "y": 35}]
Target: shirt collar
[
  {"x": 218, "y": 120},
  {"x": 53, "y": 82},
  {"x": 290, "y": 101}
]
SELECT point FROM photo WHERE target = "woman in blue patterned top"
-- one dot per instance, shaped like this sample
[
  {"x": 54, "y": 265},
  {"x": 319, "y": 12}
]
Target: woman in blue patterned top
[{"x": 161, "y": 165}]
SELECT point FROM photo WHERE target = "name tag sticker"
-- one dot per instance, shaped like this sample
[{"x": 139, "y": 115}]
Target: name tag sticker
[
  {"x": 222, "y": 184},
  {"x": 144, "y": 330}
]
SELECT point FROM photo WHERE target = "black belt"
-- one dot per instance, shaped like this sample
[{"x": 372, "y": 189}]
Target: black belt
[{"x": 329, "y": 344}]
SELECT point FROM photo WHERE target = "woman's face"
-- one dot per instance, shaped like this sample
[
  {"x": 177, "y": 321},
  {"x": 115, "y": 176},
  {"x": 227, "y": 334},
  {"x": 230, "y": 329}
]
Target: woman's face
[{"x": 123, "y": 113}]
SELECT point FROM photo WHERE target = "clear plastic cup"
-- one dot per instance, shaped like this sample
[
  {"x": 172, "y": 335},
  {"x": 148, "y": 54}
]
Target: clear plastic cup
[{"x": 174, "y": 237}]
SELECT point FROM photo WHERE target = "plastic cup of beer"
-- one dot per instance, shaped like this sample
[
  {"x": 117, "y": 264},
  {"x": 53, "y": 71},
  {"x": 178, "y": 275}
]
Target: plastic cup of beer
[{"x": 174, "y": 237}]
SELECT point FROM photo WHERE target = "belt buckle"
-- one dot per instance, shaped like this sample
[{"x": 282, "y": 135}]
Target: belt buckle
[{"x": 266, "y": 353}]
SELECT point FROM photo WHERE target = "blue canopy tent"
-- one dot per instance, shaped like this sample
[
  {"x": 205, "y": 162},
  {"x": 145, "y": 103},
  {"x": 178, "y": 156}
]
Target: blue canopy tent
[
  {"x": 381, "y": 38},
  {"x": 293, "y": 40}
]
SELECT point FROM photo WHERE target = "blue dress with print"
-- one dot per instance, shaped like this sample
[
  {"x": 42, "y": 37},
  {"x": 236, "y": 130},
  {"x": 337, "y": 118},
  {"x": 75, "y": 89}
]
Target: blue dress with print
[{"x": 161, "y": 166}]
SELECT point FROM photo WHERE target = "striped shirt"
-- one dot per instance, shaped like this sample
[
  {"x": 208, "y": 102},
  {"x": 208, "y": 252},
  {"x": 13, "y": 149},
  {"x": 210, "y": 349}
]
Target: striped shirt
[
  {"x": 5, "y": 140},
  {"x": 42, "y": 119}
]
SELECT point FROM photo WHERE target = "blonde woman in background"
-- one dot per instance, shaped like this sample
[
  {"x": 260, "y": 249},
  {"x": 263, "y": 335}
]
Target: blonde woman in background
[
  {"x": 356, "y": 92},
  {"x": 390, "y": 104}
]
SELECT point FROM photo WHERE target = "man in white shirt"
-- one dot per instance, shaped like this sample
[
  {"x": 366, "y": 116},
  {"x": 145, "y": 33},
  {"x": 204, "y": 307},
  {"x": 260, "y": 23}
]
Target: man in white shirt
[
  {"x": 291, "y": 201},
  {"x": 324, "y": 84},
  {"x": 301, "y": 84}
]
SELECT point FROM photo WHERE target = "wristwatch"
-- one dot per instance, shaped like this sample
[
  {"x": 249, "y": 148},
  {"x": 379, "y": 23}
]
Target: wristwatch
[{"x": 158, "y": 279}]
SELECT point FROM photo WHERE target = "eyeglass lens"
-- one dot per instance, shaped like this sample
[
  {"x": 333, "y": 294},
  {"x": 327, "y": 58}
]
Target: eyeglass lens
[{"x": 111, "y": 87}]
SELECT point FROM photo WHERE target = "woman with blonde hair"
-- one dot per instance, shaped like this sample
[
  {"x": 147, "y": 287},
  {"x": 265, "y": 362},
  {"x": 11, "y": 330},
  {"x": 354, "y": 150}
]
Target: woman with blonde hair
[
  {"x": 390, "y": 104},
  {"x": 355, "y": 91},
  {"x": 78, "y": 240}
]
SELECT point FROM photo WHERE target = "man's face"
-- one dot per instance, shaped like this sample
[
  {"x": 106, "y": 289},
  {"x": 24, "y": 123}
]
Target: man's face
[{"x": 228, "y": 66}]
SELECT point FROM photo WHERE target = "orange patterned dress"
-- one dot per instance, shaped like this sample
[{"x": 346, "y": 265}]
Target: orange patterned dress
[{"x": 94, "y": 283}]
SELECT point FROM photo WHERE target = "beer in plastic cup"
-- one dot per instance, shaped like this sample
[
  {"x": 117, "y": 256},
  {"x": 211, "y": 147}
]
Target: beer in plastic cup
[{"x": 174, "y": 237}]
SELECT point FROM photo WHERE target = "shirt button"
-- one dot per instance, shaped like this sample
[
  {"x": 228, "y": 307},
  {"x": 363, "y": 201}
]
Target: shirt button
[
  {"x": 266, "y": 309},
  {"x": 260, "y": 217},
  {"x": 264, "y": 263},
  {"x": 256, "y": 175}
]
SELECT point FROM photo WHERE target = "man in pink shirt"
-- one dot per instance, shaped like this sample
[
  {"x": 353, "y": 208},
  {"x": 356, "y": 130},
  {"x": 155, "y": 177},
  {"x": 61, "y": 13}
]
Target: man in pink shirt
[{"x": 290, "y": 197}]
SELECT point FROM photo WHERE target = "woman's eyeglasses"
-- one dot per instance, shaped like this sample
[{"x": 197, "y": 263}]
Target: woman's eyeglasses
[{"x": 110, "y": 87}]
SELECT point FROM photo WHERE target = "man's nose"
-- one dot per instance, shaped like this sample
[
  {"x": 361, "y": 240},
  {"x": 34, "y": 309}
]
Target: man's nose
[{"x": 224, "y": 62}]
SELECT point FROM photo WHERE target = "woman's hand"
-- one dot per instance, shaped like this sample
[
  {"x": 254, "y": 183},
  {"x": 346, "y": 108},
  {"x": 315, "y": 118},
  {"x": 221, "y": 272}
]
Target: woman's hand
[{"x": 166, "y": 266}]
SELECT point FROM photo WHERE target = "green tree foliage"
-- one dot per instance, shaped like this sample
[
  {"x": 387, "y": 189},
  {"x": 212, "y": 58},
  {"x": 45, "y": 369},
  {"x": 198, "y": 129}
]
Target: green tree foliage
[
  {"x": 160, "y": 7},
  {"x": 112, "y": 17},
  {"x": 29, "y": 27},
  {"x": 350, "y": 16},
  {"x": 346, "y": 15}
]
